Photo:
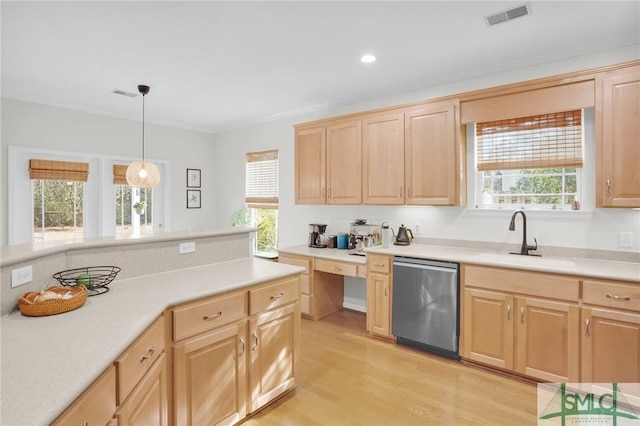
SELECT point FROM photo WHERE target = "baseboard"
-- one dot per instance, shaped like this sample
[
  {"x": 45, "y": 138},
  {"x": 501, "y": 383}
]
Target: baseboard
[{"x": 355, "y": 307}]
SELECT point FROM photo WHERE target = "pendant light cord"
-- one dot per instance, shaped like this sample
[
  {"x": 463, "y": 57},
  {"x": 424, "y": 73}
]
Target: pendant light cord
[{"x": 143, "y": 95}]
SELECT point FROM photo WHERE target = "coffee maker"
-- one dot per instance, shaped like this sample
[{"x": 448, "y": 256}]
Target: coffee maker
[{"x": 316, "y": 231}]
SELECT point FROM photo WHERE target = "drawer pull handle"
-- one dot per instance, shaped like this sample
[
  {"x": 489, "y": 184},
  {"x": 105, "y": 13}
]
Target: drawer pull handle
[
  {"x": 242, "y": 341},
  {"x": 522, "y": 315},
  {"x": 255, "y": 336},
  {"x": 381, "y": 265},
  {"x": 508, "y": 312},
  {"x": 149, "y": 354},
  {"x": 587, "y": 321},
  {"x": 337, "y": 268},
  {"x": 277, "y": 296},
  {"x": 613, "y": 296},
  {"x": 212, "y": 316}
]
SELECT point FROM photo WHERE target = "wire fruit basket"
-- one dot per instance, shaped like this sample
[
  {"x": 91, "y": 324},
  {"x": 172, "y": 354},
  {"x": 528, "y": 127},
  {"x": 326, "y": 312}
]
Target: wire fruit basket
[
  {"x": 59, "y": 300},
  {"x": 94, "y": 278}
]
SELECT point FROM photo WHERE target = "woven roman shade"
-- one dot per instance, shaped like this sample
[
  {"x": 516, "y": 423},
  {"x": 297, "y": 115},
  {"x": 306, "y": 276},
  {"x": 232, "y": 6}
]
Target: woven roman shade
[
  {"x": 262, "y": 179},
  {"x": 120, "y": 174},
  {"x": 541, "y": 141},
  {"x": 70, "y": 171}
]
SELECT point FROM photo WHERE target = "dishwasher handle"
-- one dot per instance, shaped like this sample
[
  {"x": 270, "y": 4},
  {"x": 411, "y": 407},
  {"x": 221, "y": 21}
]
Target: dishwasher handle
[{"x": 427, "y": 267}]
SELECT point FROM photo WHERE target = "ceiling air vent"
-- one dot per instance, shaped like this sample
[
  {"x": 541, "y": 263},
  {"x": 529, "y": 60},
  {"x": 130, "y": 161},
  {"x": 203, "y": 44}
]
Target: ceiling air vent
[
  {"x": 507, "y": 15},
  {"x": 123, "y": 93}
]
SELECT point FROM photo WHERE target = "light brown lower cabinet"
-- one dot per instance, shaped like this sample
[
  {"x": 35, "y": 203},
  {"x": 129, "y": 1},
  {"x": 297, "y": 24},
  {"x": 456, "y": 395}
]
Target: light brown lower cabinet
[
  {"x": 226, "y": 363},
  {"x": 209, "y": 377},
  {"x": 379, "y": 295},
  {"x": 95, "y": 406},
  {"x": 610, "y": 332},
  {"x": 148, "y": 403},
  {"x": 273, "y": 342},
  {"x": 523, "y": 333}
]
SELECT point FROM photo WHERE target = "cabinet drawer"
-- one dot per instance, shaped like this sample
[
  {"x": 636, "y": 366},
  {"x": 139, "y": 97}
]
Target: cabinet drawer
[
  {"x": 277, "y": 294},
  {"x": 379, "y": 263},
  {"x": 138, "y": 358},
  {"x": 95, "y": 406},
  {"x": 206, "y": 315},
  {"x": 305, "y": 284},
  {"x": 529, "y": 283},
  {"x": 614, "y": 295},
  {"x": 336, "y": 267},
  {"x": 297, "y": 261}
]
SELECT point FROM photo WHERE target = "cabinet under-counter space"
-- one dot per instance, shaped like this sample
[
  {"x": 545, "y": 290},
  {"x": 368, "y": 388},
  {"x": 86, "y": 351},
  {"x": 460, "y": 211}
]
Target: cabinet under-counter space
[{"x": 322, "y": 283}]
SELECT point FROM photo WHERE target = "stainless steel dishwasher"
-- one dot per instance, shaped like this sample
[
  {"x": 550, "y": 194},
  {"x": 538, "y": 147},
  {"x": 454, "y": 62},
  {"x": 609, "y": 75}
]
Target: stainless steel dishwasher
[{"x": 426, "y": 302}]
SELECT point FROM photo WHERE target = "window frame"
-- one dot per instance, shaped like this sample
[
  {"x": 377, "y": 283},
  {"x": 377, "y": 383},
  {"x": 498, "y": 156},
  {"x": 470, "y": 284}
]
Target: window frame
[
  {"x": 586, "y": 196},
  {"x": 99, "y": 192}
]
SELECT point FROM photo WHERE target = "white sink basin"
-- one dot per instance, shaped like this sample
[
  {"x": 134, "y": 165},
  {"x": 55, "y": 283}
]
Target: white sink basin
[{"x": 519, "y": 260}]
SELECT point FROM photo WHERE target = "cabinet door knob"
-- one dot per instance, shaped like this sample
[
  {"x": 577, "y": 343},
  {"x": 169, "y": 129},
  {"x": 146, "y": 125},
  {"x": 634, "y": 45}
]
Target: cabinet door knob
[
  {"x": 242, "y": 341},
  {"x": 212, "y": 316},
  {"x": 587, "y": 321},
  {"x": 508, "y": 312},
  {"x": 613, "y": 296},
  {"x": 522, "y": 315},
  {"x": 255, "y": 336},
  {"x": 608, "y": 187},
  {"x": 277, "y": 296},
  {"x": 148, "y": 355}
]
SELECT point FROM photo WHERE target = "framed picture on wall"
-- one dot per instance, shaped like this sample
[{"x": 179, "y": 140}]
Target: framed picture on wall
[
  {"x": 193, "y": 198},
  {"x": 193, "y": 178}
]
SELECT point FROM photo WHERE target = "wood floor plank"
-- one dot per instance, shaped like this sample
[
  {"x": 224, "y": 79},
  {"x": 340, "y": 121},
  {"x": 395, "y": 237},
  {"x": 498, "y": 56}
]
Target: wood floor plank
[{"x": 348, "y": 378}]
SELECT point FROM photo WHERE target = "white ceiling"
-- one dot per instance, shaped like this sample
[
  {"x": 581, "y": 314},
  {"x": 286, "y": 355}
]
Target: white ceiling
[{"x": 215, "y": 66}]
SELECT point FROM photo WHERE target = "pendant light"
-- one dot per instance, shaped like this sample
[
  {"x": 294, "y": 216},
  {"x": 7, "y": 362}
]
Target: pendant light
[{"x": 143, "y": 174}]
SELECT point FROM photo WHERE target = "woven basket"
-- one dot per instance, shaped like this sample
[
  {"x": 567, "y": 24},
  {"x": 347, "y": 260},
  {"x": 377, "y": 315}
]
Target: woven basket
[{"x": 30, "y": 307}]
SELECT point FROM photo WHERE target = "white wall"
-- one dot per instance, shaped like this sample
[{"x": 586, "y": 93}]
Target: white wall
[
  {"x": 596, "y": 230},
  {"x": 39, "y": 126}
]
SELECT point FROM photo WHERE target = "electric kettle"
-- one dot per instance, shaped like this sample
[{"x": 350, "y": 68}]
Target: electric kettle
[{"x": 404, "y": 236}]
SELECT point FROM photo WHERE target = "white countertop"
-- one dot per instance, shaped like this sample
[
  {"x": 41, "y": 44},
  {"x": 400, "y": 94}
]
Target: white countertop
[
  {"x": 594, "y": 268},
  {"x": 48, "y": 361},
  {"x": 584, "y": 267},
  {"x": 324, "y": 253}
]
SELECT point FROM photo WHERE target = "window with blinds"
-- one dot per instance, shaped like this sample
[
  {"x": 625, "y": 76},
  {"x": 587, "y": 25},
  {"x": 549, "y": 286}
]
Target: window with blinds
[
  {"x": 530, "y": 162},
  {"x": 262, "y": 179},
  {"x": 58, "y": 199},
  {"x": 541, "y": 141},
  {"x": 262, "y": 199}
]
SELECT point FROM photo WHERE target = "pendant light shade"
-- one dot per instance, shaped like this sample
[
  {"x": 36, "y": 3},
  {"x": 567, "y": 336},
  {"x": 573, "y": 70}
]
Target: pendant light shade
[{"x": 143, "y": 174}]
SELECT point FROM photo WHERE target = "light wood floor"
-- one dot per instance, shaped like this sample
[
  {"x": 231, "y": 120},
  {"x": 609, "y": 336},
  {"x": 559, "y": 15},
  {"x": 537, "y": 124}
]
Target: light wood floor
[{"x": 347, "y": 378}]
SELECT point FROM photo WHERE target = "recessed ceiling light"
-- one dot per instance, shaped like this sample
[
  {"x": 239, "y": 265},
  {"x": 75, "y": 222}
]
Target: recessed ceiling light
[{"x": 367, "y": 59}]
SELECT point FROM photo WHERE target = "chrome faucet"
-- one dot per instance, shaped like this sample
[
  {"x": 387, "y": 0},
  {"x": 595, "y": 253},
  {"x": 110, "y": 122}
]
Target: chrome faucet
[{"x": 524, "y": 250}]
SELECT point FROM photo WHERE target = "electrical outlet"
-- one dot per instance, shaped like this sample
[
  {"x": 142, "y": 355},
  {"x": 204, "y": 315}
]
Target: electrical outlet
[
  {"x": 187, "y": 247},
  {"x": 21, "y": 276},
  {"x": 416, "y": 229},
  {"x": 626, "y": 239}
]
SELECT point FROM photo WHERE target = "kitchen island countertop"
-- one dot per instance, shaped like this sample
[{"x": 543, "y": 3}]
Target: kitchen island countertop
[{"x": 47, "y": 362}]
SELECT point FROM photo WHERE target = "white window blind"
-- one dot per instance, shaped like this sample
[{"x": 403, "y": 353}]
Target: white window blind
[
  {"x": 540, "y": 141},
  {"x": 262, "y": 179}
]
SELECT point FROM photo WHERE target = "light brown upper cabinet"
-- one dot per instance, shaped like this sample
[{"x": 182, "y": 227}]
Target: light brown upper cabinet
[
  {"x": 618, "y": 140},
  {"x": 433, "y": 155},
  {"x": 383, "y": 158},
  {"x": 344, "y": 162},
  {"x": 311, "y": 165},
  {"x": 329, "y": 163}
]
